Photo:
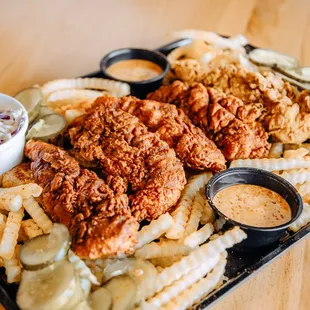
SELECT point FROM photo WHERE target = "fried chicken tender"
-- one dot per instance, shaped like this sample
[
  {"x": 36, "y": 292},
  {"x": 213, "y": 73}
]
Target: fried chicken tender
[
  {"x": 191, "y": 145},
  {"x": 99, "y": 219},
  {"x": 231, "y": 124},
  {"x": 287, "y": 115},
  {"x": 121, "y": 146}
]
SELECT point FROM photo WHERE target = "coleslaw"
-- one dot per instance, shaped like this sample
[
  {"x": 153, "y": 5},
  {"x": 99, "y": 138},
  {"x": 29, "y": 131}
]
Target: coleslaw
[{"x": 11, "y": 121}]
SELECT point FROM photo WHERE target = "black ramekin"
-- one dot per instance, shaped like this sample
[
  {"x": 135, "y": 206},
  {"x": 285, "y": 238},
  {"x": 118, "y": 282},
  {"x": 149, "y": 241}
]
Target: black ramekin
[
  {"x": 257, "y": 236},
  {"x": 142, "y": 88}
]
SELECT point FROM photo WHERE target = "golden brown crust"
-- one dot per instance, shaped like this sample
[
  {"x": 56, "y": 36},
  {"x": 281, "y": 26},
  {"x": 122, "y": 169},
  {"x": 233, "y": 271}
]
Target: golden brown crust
[
  {"x": 77, "y": 198},
  {"x": 123, "y": 147},
  {"x": 231, "y": 124},
  {"x": 287, "y": 113},
  {"x": 173, "y": 126}
]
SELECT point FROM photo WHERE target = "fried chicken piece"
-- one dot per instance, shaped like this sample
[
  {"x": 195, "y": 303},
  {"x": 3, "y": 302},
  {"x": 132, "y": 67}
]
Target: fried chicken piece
[
  {"x": 122, "y": 146},
  {"x": 99, "y": 219},
  {"x": 173, "y": 126},
  {"x": 19, "y": 175},
  {"x": 188, "y": 70},
  {"x": 224, "y": 119},
  {"x": 286, "y": 118}
]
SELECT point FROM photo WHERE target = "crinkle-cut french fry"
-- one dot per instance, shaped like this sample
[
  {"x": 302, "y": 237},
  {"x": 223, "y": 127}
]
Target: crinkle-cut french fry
[
  {"x": 296, "y": 176},
  {"x": 219, "y": 223},
  {"x": 303, "y": 188},
  {"x": 31, "y": 228},
  {"x": 25, "y": 191},
  {"x": 200, "y": 236},
  {"x": 182, "y": 212},
  {"x": 298, "y": 153},
  {"x": 198, "y": 290},
  {"x": 165, "y": 262},
  {"x": 212, "y": 38},
  {"x": 2, "y": 224},
  {"x": 38, "y": 215},
  {"x": 154, "y": 230},
  {"x": 114, "y": 87},
  {"x": 272, "y": 164},
  {"x": 201, "y": 255},
  {"x": 81, "y": 268},
  {"x": 177, "y": 287},
  {"x": 164, "y": 248},
  {"x": 214, "y": 236},
  {"x": 303, "y": 219},
  {"x": 62, "y": 94},
  {"x": 276, "y": 150},
  {"x": 10, "y": 202},
  {"x": 10, "y": 234},
  {"x": 195, "y": 215},
  {"x": 86, "y": 286},
  {"x": 13, "y": 267},
  {"x": 98, "y": 272},
  {"x": 207, "y": 215}
]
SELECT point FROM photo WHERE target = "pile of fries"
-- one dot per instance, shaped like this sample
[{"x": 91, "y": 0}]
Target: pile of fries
[
  {"x": 71, "y": 97},
  {"x": 186, "y": 249},
  {"x": 190, "y": 262},
  {"x": 14, "y": 203},
  {"x": 292, "y": 163}
]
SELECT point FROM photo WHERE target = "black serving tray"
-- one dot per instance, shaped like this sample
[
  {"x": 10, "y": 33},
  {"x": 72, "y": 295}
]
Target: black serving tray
[{"x": 240, "y": 266}]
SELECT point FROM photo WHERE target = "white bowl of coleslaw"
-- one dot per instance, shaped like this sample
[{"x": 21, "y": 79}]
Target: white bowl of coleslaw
[{"x": 13, "y": 127}]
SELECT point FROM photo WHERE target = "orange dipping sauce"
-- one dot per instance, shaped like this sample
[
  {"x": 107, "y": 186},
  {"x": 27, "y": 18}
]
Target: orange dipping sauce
[
  {"x": 253, "y": 205},
  {"x": 134, "y": 70}
]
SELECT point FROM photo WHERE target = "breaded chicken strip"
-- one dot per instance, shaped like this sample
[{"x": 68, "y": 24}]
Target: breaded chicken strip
[
  {"x": 173, "y": 126},
  {"x": 122, "y": 146},
  {"x": 99, "y": 219},
  {"x": 225, "y": 119}
]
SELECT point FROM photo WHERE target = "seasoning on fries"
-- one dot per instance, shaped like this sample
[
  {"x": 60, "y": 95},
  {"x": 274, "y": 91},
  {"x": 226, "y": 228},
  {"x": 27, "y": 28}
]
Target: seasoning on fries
[
  {"x": 154, "y": 230},
  {"x": 38, "y": 215},
  {"x": 10, "y": 233},
  {"x": 182, "y": 212}
]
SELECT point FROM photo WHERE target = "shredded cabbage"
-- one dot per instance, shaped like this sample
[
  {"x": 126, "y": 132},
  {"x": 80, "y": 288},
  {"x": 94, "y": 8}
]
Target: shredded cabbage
[{"x": 11, "y": 121}]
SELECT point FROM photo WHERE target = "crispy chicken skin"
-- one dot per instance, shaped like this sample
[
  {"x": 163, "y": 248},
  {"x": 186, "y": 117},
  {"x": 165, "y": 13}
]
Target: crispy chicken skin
[
  {"x": 225, "y": 119},
  {"x": 122, "y": 146},
  {"x": 285, "y": 117},
  {"x": 191, "y": 145},
  {"x": 99, "y": 219}
]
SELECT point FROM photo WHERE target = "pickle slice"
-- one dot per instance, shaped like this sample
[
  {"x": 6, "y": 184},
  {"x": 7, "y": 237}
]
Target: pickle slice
[
  {"x": 44, "y": 250},
  {"x": 49, "y": 126},
  {"x": 123, "y": 290},
  {"x": 48, "y": 288},
  {"x": 31, "y": 98},
  {"x": 142, "y": 271},
  {"x": 301, "y": 74},
  {"x": 101, "y": 299},
  {"x": 270, "y": 58}
]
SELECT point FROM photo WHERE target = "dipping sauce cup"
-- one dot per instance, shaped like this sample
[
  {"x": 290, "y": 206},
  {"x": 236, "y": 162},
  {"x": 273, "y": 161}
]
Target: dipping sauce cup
[
  {"x": 138, "y": 88},
  {"x": 257, "y": 236}
]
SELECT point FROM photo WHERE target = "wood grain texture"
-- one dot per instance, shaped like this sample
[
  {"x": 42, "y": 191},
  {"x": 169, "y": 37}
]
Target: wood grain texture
[{"x": 43, "y": 40}]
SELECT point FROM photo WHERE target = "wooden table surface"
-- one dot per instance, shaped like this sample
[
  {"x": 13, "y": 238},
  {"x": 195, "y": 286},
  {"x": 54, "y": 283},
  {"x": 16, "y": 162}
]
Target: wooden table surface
[{"x": 43, "y": 40}]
